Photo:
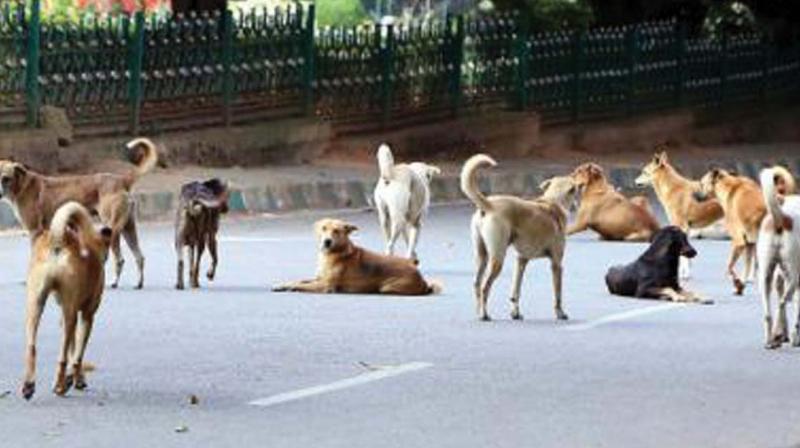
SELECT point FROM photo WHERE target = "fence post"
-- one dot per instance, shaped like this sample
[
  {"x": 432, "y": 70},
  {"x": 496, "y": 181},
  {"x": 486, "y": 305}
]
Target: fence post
[
  {"x": 135, "y": 81},
  {"x": 308, "y": 73},
  {"x": 766, "y": 63},
  {"x": 579, "y": 42},
  {"x": 227, "y": 69},
  {"x": 456, "y": 50},
  {"x": 32, "y": 67},
  {"x": 633, "y": 57},
  {"x": 680, "y": 58},
  {"x": 387, "y": 59},
  {"x": 523, "y": 65}
]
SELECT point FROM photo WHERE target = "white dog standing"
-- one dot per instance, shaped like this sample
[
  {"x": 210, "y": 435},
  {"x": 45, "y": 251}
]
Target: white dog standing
[
  {"x": 778, "y": 246},
  {"x": 402, "y": 197}
]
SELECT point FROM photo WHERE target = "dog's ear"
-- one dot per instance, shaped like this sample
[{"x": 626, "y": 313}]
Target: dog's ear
[
  {"x": 350, "y": 228},
  {"x": 20, "y": 170},
  {"x": 545, "y": 184}
]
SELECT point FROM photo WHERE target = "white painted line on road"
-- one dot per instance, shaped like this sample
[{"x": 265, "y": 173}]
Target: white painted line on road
[
  {"x": 364, "y": 378},
  {"x": 625, "y": 315}
]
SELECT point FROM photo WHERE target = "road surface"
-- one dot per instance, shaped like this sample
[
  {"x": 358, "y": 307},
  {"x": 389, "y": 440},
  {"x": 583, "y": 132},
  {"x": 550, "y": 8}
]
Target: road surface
[{"x": 298, "y": 370}]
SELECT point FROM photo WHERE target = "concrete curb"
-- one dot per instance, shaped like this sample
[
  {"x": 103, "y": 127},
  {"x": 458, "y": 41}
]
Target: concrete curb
[{"x": 358, "y": 193}]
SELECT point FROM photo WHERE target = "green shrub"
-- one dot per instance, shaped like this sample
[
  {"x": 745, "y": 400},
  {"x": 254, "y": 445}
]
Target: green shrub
[{"x": 340, "y": 12}]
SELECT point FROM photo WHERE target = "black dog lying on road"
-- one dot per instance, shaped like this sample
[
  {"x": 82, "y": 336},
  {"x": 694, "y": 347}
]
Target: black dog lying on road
[{"x": 654, "y": 275}]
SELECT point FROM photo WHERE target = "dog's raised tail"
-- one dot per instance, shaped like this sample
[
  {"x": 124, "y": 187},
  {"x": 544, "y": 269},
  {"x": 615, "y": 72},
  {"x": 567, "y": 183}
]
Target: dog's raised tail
[
  {"x": 469, "y": 180},
  {"x": 147, "y": 160},
  {"x": 385, "y": 162},
  {"x": 70, "y": 215},
  {"x": 774, "y": 211}
]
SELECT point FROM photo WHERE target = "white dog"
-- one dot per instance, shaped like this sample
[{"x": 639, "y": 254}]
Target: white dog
[
  {"x": 402, "y": 197},
  {"x": 778, "y": 246}
]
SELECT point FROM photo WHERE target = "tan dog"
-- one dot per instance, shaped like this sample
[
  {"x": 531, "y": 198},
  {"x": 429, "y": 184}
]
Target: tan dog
[
  {"x": 561, "y": 190},
  {"x": 676, "y": 194},
  {"x": 535, "y": 229},
  {"x": 606, "y": 211},
  {"x": 67, "y": 261},
  {"x": 36, "y": 197},
  {"x": 744, "y": 207},
  {"x": 344, "y": 267}
]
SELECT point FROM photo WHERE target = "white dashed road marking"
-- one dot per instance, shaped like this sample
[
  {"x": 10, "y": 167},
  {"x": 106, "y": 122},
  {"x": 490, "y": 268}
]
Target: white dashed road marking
[
  {"x": 364, "y": 378},
  {"x": 625, "y": 315}
]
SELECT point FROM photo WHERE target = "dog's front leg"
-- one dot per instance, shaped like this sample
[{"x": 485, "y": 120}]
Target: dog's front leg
[
  {"x": 581, "y": 223},
  {"x": 315, "y": 286},
  {"x": 212, "y": 250}
]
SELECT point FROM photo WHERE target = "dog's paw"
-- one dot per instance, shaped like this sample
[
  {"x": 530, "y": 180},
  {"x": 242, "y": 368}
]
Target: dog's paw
[
  {"x": 795, "y": 339},
  {"x": 210, "y": 275},
  {"x": 179, "y": 286},
  {"x": 281, "y": 288},
  {"x": 63, "y": 386},
  {"x": 485, "y": 318},
  {"x": 28, "y": 389},
  {"x": 516, "y": 315},
  {"x": 80, "y": 383},
  {"x": 772, "y": 344},
  {"x": 561, "y": 315},
  {"x": 738, "y": 287},
  {"x": 704, "y": 301}
]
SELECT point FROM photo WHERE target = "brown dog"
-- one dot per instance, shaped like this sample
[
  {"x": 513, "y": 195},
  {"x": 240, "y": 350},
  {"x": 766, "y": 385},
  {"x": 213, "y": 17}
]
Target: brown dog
[
  {"x": 344, "y": 267},
  {"x": 535, "y": 229},
  {"x": 197, "y": 224},
  {"x": 36, "y": 197},
  {"x": 68, "y": 261},
  {"x": 744, "y": 207},
  {"x": 676, "y": 194},
  {"x": 606, "y": 211}
]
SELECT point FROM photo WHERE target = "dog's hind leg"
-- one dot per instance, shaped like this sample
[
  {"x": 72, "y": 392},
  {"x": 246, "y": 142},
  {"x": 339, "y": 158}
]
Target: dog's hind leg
[
  {"x": 765, "y": 278},
  {"x": 780, "y": 333},
  {"x": 738, "y": 284},
  {"x": 481, "y": 260},
  {"x": 796, "y": 332},
  {"x": 37, "y": 296},
  {"x": 132, "y": 240},
  {"x": 179, "y": 277},
  {"x": 82, "y": 339},
  {"x": 385, "y": 224},
  {"x": 749, "y": 263},
  {"x": 496, "y": 237},
  {"x": 519, "y": 272},
  {"x": 557, "y": 272},
  {"x": 116, "y": 251},
  {"x": 62, "y": 385},
  {"x": 413, "y": 232},
  {"x": 212, "y": 250},
  {"x": 200, "y": 247}
]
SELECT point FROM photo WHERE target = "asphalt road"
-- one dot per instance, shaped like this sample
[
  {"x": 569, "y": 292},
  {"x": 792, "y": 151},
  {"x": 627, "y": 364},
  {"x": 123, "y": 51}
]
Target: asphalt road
[{"x": 367, "y": 371}]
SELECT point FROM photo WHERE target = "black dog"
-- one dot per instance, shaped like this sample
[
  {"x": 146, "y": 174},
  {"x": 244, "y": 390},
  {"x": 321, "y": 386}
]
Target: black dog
[{"x": 654, "y": 275}]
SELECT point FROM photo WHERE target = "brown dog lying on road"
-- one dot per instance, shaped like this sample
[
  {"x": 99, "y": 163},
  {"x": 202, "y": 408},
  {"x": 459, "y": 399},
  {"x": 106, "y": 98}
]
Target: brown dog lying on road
[
  {"x": 197, "y": 224},
  {"x": 36, "y": 197},
  {"x": 606, "y": 211},
  {"x": 68, "y": 260},
  {"x": 344, "y": 267}
]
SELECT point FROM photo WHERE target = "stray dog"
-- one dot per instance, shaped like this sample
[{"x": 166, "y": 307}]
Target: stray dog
[
  {"x": 676, "y": 194},
  {"x": 68, "y": 260},
  {"x": 560, "y": 190},
  {"x": 402, "y": 197},
  {"x": 36, "y": 197},
  {"x": 608, "y": 212},
  {"x": 654, "y": 275},
  {"x": 197, "y": 224},
  {"x": 744, "y": 207},
  {"x": 535, "y": 228},
  {"x": 344, "y": 267},
  {"x": 778, "y": 247}
]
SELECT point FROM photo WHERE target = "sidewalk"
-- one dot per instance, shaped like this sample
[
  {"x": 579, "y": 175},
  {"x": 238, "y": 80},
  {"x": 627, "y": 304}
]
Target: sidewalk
[{"x": 335, "y": 185}]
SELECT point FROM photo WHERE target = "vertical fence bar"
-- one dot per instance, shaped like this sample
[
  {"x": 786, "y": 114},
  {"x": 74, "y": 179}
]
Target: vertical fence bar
[
  {"x": 387, "y": 60},
  {"x": 227, "y": 69},
  {"x": 136, "y": 48},
  {"x": 578, "y": 48},
  {"x": 308, "y": 72},
  {"x": 766, "y": 63},
  {"x": 723, "y": 69},
  {"x": 680, "y": 64},
  {"x": 632, "y": 48},
  {"x": 523, "y": 65},
  {"x": 456, "y": 50},
  {"x": 32, "y": 67}
]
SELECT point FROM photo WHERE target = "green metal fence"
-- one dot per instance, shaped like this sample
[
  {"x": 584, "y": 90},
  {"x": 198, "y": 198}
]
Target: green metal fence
[{"x": 131, "y": 74}]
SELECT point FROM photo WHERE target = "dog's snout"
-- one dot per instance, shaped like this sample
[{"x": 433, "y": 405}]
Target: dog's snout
[
  {"x": 327, "y": 243},
  {"x": 688, "y": 251},
  {"x": 699, "y": 196}
]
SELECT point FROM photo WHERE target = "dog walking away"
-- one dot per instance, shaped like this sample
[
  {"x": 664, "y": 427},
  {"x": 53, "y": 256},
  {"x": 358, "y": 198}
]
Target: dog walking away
[
  {"x": 36, "y": 197},
  {"x": 402, "y": 197},
  {"x": 743, "y": 204},
  {"x": 654, "y": 275},
  {"x": 344, "y": 267},
  {"x": 606, "y": 211},
  {"x": 778, "y": 250},
  {"x": 197, "y": 224},
  {"x": 68, "y": 260},
  {"x": 535, "y": 229}
]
